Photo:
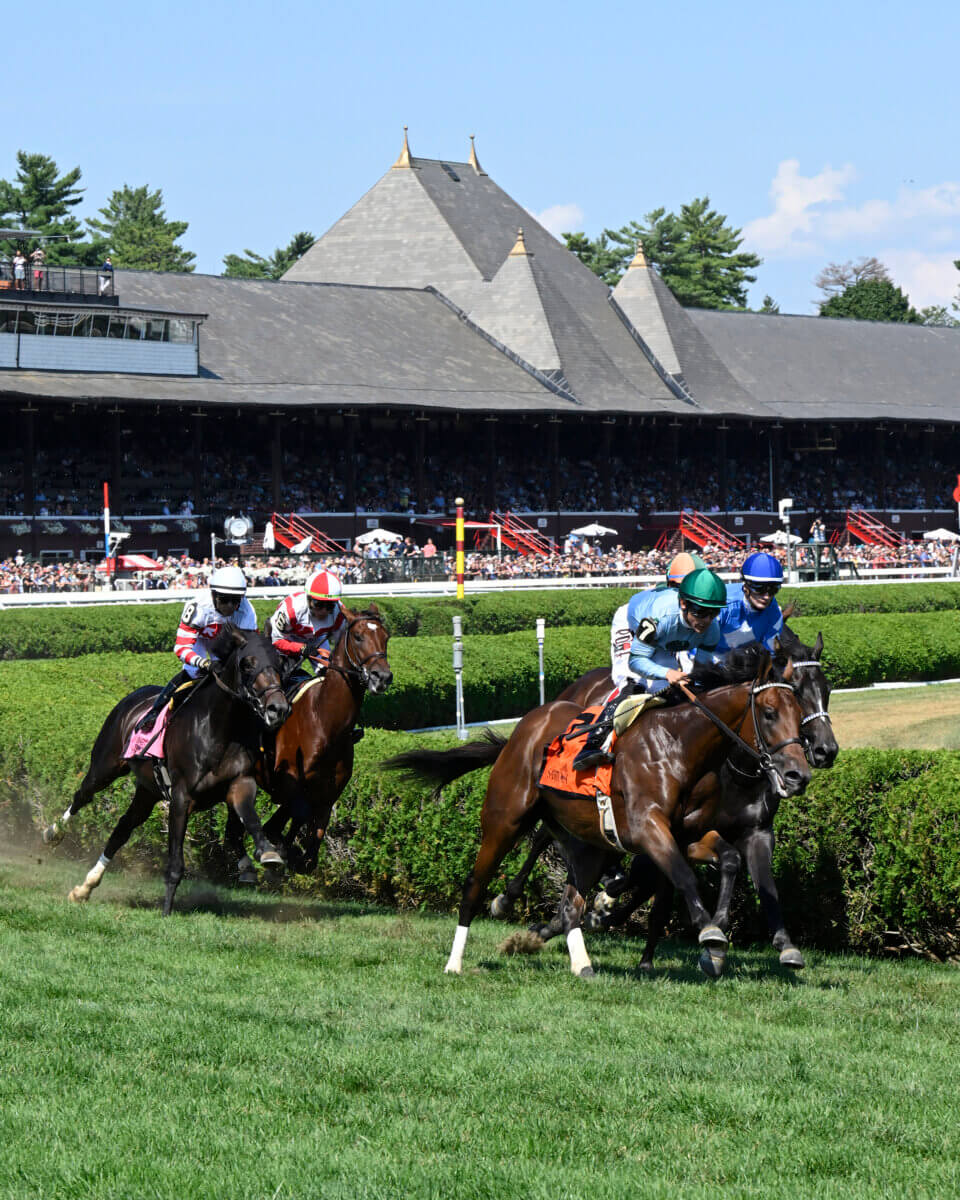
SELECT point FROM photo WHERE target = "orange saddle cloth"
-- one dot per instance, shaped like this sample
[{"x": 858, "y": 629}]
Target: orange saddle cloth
[{"x": 558, "y": 772}]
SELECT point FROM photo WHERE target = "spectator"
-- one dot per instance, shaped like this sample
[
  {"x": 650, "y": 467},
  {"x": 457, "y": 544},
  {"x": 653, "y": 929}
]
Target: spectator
[
  {"x": 37, "y": 260},
  {"x": 19, "y": 270}
]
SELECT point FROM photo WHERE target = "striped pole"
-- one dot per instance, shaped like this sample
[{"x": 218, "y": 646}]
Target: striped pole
[
  {"x": 106, "y": 519},
  {"x": 459, "y": 531}
]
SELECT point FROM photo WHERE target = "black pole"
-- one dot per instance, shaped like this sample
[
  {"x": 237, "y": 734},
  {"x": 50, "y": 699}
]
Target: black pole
[{"x": 29, "y": 474}]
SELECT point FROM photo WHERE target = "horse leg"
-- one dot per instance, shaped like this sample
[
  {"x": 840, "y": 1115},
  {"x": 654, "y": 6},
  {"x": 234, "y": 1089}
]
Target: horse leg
[
  {"x": 757, "y": 845},
  {"x": 586, "y": 866},
  {"x": 714, "y": 849},
  {"x": 657, "y": 921},
  {"x": 140, "y": 808},
  {"x": 499, "y": 838},
  {"x": 502, "y": 906},
  {"x": 100, "y": 774},
  {"x": 643, "y": 879},
  {"x": 179, "y": 811},
  {"x": 233, "y": 845}
]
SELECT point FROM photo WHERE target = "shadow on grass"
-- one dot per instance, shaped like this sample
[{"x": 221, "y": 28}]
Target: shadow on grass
[{"x": 281, "y": 912}]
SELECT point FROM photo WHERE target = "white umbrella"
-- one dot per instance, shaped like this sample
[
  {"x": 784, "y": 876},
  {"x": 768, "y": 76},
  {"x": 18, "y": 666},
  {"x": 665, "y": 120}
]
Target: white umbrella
[
  {"x": 593, "y": 530},
  {"x": 941, "y": 535},
  {"x": 780, "y": 538},
  {"x": 377, "y": 535}
]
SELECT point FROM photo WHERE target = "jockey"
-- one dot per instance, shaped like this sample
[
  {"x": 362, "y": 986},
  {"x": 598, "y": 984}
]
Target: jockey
[
  {"x": 751, "y": 613},
  {"x": 310, "y": 621},
  {"x": 663, "y": 623},
  {"x": 203, "y": 616},
  {"x": 621, "y": 631}
]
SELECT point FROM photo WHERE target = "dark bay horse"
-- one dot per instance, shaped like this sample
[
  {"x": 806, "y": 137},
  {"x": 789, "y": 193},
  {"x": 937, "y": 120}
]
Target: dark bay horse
[
  {"x": 659, "y": 761},
  {"x": 310, "y": 761},
  {"x": 740, "y": 790},
  {"x": 212, "y": 745}
]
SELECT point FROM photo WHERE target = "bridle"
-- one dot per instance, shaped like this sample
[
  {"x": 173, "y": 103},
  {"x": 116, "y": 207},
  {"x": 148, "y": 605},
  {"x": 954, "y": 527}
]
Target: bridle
[
  {"x": 358, "y": 668},
  {"x": 762, "y": 754},
  {"x": 246, "y": 695},
  {"x": 821, "y": 713}
]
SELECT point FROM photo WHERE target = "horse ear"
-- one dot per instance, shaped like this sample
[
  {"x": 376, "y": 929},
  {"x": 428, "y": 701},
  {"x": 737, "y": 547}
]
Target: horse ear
[
  {"x": 787, "y": 671},
  {"x": 818, "y": 647},
  {"x": 372, "y": 609},
  {"x": 237, "y": 636},
  {"x": 764, "y": 667},
  {"x": 788, "y": 610}
]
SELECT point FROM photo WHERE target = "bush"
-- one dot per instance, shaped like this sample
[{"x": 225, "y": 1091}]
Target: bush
[{"x": 62, "y": 633}]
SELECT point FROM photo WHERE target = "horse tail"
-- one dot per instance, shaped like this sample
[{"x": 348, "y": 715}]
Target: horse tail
[{"x": 443, "y": 766}]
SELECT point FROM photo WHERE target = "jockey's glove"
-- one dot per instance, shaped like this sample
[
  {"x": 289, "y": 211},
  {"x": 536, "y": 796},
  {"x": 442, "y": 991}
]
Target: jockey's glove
[{"x": 205, "y": 664}]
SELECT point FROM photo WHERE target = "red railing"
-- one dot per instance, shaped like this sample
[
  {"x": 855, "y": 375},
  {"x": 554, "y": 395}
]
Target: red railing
[
  {"x": 868, "y": 529},
  {"x": 517, "y": 535},
  {"x": 291, "y": 530},
  {"x": 703, "y": 531},
  {"x": 668, "y": 541}
]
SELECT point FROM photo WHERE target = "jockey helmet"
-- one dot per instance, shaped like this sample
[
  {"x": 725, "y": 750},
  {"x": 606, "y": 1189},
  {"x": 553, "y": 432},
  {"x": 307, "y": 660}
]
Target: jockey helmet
[
  {"x": 682, "y": 564},
  {"x": 324, "y": 586},
  {"x": 704, "y": 588},
  {"x": 761, "y": 567},
  {"x": 228, "y": 581}
]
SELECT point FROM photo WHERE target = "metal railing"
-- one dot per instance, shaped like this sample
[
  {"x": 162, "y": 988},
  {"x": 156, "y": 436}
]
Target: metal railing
[{"x": 55, "y": 280}]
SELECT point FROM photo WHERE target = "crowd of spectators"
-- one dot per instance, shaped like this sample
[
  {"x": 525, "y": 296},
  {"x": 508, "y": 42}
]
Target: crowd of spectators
[{"x": 405, "y": 561}]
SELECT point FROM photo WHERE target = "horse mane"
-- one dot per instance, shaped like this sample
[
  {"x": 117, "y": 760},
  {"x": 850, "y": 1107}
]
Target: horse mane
[
  {"x": 226, "y": 642},
  {"x": 738, "y": 666}
]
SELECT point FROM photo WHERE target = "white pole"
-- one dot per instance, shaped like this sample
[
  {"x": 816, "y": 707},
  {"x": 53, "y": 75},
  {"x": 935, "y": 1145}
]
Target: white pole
[
  {"x": 541, "y": 625},
  {"x": 499, "y": 545},
  {"x": 458, "y": 676}
]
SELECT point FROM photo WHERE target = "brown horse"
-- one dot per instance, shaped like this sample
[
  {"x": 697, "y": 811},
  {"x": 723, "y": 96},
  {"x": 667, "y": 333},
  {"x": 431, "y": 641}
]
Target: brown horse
[
  {"x": 658, "y": 762},
  {"x": 311, "y": 761},
  {"x": 212, "y": 744}
]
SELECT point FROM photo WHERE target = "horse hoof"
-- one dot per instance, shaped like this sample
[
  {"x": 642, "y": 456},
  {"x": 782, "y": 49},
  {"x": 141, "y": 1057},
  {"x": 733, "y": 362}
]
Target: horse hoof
[
  {"x": 587, "y": 973},
  {"x": 52, "y": 836},
  {"x": 645, "y": 969},
  {"x": 448, "y": 970},
  {"x": 77, "y": 895},
  {"x": 790, "y": 956},
  {"x": 712, "y": 962},
  {"x": 712, "y": 935},
  {"x": 603, "y": 903},
  {"x": 500, "y": 907},
  {"x": 270, "y": 858}
]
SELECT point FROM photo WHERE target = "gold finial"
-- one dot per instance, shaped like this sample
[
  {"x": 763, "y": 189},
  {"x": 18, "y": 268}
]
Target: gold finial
[
  {"x": 404, "y": 159},
  {"x": 473, "y": 158},
  {"x": 639, "y": 259},
  {"x": 520, "y": 249}
]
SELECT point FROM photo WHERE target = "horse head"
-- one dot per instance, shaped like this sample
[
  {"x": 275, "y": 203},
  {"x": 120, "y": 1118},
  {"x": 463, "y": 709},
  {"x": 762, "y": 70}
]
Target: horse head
[
  {"x": 776, "y": 715},
  {"x": 250, "y": 672},
  {"x": 813, "y": 692},
  {"x": 362, "y": 650}
]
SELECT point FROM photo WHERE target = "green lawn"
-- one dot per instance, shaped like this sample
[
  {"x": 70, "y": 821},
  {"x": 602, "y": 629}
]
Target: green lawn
[
  {"x": 261, "y": 1046},
  {"x": 920, "y": 718}
]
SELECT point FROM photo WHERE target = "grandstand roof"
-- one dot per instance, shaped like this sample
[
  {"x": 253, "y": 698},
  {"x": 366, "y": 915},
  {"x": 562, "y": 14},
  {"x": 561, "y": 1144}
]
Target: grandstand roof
[{"x": 817, "y": 368}]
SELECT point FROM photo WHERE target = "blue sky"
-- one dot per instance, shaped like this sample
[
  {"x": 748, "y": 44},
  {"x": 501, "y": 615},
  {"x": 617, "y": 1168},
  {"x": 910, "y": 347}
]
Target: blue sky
[{"x": 825, "y": 131}]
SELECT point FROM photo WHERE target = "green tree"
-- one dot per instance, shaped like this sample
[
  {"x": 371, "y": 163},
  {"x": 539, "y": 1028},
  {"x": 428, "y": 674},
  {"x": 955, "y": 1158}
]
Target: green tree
[
  {"x": 871, "y": 300},
  {"x": 956, "y": 299},
  {"x": 607, "y": 261},
  {"x": 41, "y": 198},
  {"x": 937, "y": 314},
  {"x": 137, "y": 234},
  {"x": 769, "y": 307},
  {"x": 250, "y": 265}
]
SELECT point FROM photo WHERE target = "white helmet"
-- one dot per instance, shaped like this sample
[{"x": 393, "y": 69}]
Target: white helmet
[{"x": 228, "y": 581}]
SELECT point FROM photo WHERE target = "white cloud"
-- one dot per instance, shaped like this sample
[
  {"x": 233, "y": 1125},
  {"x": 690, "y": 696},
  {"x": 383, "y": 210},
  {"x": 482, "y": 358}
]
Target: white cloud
[
  {"x": 790, "y": 227},
  {"x": 926, "y": 278},
  {"x": 561, "y": 218}
]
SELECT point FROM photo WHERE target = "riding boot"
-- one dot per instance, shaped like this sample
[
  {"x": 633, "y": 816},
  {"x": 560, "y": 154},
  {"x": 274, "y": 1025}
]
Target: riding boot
[
  {"x": 148, "y": 718},
  {"x": 594, "y": 752}
]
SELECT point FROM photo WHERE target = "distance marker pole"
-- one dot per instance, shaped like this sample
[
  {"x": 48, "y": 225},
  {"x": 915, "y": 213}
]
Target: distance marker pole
[
  {"x": 106, "y": 520},
  {"x": 459, "y": 534},
  {"x": 541, "y": 625},
  {"x": 458, "y": 676}
]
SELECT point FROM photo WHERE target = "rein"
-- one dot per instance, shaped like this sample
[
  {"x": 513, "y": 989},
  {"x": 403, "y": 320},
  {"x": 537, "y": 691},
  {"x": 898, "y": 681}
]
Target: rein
[
  {"x": 248, "y": 696},
  {"x": 357, "y": 668},
  {"x": 763, "y": 754}
]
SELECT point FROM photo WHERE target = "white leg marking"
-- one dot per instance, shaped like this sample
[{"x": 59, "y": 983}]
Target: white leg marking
[
  {"x": 579, "y": 959},
  {"x": 66, "y": 816},
  {"x": 455, "y": 961},
  {"x": 93, "y": 877}
]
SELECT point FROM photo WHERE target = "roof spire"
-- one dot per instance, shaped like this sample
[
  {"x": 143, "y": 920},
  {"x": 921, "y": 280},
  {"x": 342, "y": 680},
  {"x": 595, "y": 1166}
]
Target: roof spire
[
  {"x": 404, "y": 159},
  {"x": 639, "y": 259},
  {"x": 520, "y": 249},
  {"x": 473, "y": 158}
]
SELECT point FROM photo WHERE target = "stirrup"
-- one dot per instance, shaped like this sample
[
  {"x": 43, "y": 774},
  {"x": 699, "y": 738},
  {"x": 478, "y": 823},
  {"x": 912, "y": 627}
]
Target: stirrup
[{"x": 591, "y": 756}]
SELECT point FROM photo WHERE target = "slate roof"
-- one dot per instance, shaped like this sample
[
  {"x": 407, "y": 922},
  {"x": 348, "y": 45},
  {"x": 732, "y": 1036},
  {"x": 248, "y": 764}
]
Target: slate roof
[
  {"x": 817, "y": 368},
  {"x": 294, "y": 344}
]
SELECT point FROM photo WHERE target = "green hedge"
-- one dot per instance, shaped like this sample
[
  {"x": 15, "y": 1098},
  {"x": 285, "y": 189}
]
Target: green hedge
[
  {"x": 868, "y": 859},
  {"x": 63, "y": 633}
]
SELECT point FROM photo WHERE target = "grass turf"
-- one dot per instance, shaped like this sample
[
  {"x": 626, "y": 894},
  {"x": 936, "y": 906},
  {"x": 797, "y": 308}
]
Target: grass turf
[{"x": 255, "y": 1046}]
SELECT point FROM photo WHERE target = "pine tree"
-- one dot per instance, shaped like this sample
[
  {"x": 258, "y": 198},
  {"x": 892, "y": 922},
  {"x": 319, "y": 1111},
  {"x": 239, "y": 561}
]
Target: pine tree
[
  {"x": 40, "y": 198},
  {"x": 254, "y": 266},
  {"x": 597, "y": 254},
  {"x": 137, "y": 234},
  {"x": 871, "y": 300}
]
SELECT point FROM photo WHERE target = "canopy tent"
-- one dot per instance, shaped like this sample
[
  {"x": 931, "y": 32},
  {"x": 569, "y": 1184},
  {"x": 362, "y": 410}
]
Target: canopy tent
[
  {"x": 377, "y": 535},
  {"x": 781, "y": 538},
  {"x": 593, "y": 530},
  {"x": 130, "y": 562},
  {"x": 941, "y": 535}
]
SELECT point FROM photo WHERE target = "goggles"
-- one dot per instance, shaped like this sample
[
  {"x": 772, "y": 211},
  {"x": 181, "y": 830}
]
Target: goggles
[
  {"x": 697, "y": 610},
  {"x": 762, "y": 589}
]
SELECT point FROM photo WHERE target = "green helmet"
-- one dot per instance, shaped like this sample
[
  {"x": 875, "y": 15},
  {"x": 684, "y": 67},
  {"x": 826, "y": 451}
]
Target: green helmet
[{"x": 705, "y": 588}]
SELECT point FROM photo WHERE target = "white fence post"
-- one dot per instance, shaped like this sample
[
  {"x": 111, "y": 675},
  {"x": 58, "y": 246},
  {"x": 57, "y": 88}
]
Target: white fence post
[
  {"x": 541, "y": 625},
  {"x": 458, "y": 676}
]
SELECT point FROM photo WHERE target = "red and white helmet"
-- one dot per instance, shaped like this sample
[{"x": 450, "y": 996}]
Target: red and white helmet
[{"x": 324, "y": 586}]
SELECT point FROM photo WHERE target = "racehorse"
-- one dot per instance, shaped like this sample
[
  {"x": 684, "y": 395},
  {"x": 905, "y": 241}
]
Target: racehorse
[
  {"x": 658, "y": 762},
  {"x": 212, "y": 745},
  {"x": 740, "y": 790},
  {"x": 311, "y": 760}
]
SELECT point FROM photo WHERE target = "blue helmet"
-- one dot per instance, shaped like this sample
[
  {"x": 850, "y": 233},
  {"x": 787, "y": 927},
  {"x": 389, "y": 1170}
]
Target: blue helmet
[{"x": 761, "y": 568}]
